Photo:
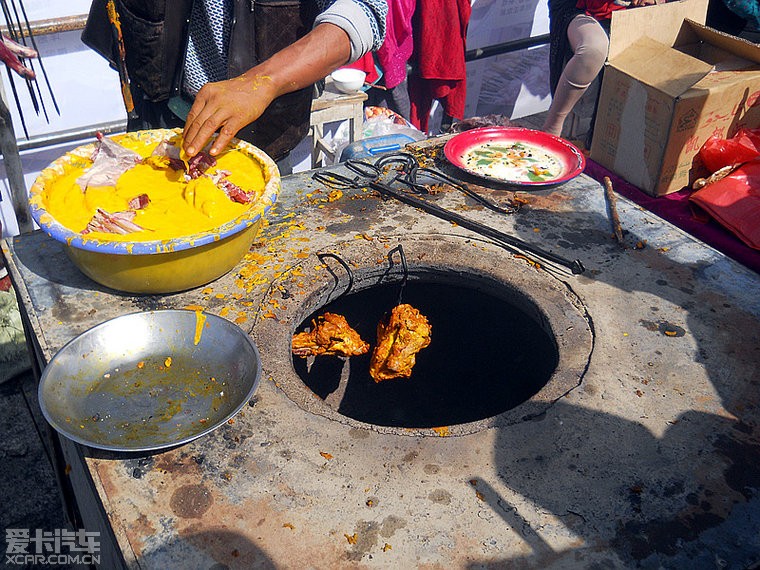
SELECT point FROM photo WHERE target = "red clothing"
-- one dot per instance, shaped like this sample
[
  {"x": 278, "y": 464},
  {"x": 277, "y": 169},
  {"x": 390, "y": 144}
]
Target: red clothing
[
  {"x": 599, "y": 9},
  {"x": 440, "y": 33}
]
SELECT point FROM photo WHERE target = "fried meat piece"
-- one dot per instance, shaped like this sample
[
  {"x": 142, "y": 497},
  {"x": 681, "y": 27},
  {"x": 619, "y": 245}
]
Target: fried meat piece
[
  {"x": 400, "y": 336},
  {"x": 330, "y": 335}
]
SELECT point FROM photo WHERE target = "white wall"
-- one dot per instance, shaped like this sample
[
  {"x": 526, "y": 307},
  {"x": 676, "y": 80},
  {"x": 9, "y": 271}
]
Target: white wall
[{"x": 515, "y": 84}]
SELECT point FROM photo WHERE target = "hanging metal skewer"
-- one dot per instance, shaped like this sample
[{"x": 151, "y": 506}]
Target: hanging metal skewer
[
  {"x": 17, "y": 34},
  {"x": 39, "y": 57},
  {"x": 15, "y": 51},
  {"x": 11, "y": 58},
  {"x": 18, "y": 103}
]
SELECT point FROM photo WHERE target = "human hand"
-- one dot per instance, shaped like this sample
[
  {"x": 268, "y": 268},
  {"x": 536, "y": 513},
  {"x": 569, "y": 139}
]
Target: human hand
[
  {"x": 637, "y": 3},
  {"x": 226, "y": 106},
  {"x": 10, "y": 52}
]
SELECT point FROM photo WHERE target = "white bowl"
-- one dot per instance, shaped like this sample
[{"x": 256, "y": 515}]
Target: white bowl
[{"x": 348, "y": 80}]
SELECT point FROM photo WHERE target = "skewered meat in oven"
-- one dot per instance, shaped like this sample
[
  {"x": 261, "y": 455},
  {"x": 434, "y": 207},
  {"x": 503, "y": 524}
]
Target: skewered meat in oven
[
  {"x": 330, "y": 335},
  {"x": 400, "y": 336}
]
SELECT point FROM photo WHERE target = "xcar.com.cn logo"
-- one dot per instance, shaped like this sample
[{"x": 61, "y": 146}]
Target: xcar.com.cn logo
[{"x": 59, "y": 546}]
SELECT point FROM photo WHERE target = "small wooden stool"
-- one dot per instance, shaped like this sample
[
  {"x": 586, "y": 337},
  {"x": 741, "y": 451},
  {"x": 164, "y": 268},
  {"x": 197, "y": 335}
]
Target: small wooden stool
[{"x": 333, "y": 106}]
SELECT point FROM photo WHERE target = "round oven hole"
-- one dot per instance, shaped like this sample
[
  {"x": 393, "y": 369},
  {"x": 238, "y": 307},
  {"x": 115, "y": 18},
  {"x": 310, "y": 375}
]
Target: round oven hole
[{"x": 487, "y": 355}]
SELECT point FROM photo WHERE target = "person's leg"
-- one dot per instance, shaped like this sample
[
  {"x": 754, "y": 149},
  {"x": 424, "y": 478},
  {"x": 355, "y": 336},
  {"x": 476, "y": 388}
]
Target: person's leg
[{"x": 590, "y": 44}]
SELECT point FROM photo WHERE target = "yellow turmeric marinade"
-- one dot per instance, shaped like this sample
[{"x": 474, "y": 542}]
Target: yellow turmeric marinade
[{"x": 177, "y": 207}]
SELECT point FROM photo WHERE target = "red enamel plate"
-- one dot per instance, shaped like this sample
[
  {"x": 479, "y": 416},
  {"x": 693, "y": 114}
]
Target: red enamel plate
[{"x": 481, "y": 141}]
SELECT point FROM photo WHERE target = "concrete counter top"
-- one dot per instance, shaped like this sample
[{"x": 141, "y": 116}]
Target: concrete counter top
[{"x": 650, "y": 460}]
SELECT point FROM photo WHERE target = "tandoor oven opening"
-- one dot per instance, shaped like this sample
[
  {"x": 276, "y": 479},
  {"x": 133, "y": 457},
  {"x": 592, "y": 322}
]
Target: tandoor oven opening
[{"x": 488, "y": 354}]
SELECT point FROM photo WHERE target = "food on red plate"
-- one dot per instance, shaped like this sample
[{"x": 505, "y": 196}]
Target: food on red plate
[{"x": 516, "y": 161}]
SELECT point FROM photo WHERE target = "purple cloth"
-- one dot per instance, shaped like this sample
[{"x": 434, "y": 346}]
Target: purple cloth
[
  {"x": 397, "y": 47},
  {"x": 675, "y": 208}
]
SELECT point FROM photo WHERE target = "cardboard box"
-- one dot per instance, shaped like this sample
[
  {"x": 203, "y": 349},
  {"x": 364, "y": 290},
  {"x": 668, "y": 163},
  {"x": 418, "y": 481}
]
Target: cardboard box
[{"x": 670, "y": 83}]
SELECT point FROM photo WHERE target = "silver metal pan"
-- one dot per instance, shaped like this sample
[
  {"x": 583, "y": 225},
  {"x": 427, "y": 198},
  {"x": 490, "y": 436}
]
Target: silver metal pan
[{"x": 149, "y": 380}]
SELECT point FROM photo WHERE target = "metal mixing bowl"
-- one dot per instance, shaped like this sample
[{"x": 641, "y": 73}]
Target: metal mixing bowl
[
  {"x": 164, "y": 266},
  {"x": 149, "y": 380}
]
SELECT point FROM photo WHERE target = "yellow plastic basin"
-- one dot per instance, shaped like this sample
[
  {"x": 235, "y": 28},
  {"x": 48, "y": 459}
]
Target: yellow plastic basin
[{"x": 160, "y": 266}]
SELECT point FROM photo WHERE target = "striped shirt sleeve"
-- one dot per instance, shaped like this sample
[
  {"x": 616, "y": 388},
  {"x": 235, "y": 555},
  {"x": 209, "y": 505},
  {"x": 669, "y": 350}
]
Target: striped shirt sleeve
[{"x": 362, "y": 20}]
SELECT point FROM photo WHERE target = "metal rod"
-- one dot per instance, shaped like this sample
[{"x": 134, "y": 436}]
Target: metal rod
[
  {"x": 61, "y": 137},
  {"x": 371, "y": 173},
  {"x": 36, "y": 85},
  {"x": 575, "y": 266},
  {"x": 506, "y": 47},
  {"x": 55, "y": 25},
  {"x": 17, "y": 35},
  {"x": 39, "y": 60},
  {"x": 126, "y": 91},
  {"x": 18, "y": 102}
]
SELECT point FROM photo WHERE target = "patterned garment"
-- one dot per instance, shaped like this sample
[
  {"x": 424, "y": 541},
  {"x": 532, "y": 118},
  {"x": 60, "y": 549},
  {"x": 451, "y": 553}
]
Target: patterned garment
[
  {"x": 208, "y": 40},
  {"x": 747, "y": 9},
  {"x": 210, "y": 25}
]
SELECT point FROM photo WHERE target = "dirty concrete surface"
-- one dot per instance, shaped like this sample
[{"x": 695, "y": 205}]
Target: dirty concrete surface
[{"x": 650, "y": 461}]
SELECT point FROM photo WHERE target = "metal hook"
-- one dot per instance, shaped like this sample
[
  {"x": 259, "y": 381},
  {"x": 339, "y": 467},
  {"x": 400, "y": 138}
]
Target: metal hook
[
  {"x": 364, "y": 169},
  {"x": 406, "y": 174},
  {"x": 334, "y": 181},
  {"x": 406, "y": 179},
  {"x": 441, "y": 177},
  {"x": 406, "y": 160},
  {"x": 322, "y": 256},
  {"x": 400, "y": 249}
]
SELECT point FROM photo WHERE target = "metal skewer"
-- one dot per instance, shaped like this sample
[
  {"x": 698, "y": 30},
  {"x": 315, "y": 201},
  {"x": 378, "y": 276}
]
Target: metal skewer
[
  {"x": 126, "y": 91},
  {"x": 370, "y": 173},
  {"x": 18, "y": 102},
  {"x": 39, "y": 58},
  {"x": 16, "y": 34}
]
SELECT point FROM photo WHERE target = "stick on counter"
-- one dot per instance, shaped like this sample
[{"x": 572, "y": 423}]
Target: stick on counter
[{"x": 612, "y": 204}]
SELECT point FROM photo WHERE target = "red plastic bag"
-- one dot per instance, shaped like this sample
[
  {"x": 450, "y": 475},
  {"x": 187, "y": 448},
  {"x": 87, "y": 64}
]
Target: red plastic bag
[
  {"x": 742, "y": 147},
  {"x": 734, "y": 202}
]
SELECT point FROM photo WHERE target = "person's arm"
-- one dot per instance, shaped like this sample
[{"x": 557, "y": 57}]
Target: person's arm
[
  {"x": 230, "y": 105},
  {"x": 343, "y": 32}
]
